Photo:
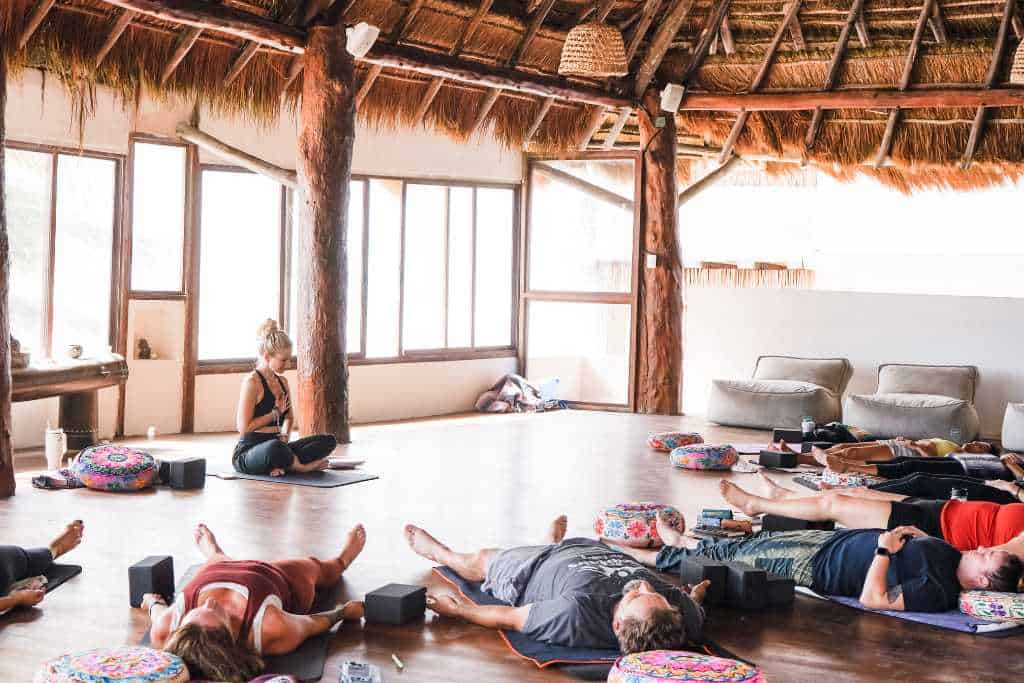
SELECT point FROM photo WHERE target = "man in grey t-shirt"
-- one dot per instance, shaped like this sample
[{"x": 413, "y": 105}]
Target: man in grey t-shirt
[{"x": 576, "y": 592}]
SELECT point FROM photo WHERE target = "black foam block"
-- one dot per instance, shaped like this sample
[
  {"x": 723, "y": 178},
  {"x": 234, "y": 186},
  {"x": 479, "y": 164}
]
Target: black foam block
[
  {"x": 693, "y": 570},
  {"x": 781, "y": 591},
  {"x": 806, "y": 446},
  {"x": 790, "y": 435},
  {"x": 395, "y": 603},
  {"x": 780, "y": 523},
  {"x": 188, "y": 474},
  {"x": 746, "y": 587},
  {"x": 777, "y": 459},
  {"x": 155, "y": 574}
]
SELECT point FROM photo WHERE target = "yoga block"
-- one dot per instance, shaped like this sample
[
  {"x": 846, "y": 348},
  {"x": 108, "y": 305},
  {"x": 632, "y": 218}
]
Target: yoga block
[
  {"x": 395, "y": 603},
  {"x": 780, "y": 523},
  {"x": 777, "y": 459},
  {"x": 155, "y": 574},
  {"x": 788, "y": 435},
  {"x": 163, "y": 471},
  {"x": 781, "y": 591},
  {"x": 746, "y": 588},
  {"x": 719, "y": 513},
  {"x": 693, "y": 570},
  {"x": 806, "y": 446},
  {"x": 188, "y": 474}
]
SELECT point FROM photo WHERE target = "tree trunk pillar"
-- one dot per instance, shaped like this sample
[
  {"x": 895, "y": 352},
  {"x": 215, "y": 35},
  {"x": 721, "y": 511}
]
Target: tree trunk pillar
[
  {"x": 660, "y": 324},
  {"x": 6, "y": 449},
  {"x": 326, "y": 136}
]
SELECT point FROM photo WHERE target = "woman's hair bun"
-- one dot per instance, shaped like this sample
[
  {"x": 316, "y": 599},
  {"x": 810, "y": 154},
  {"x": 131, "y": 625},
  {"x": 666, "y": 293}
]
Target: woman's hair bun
[{"x": 268, "y": 328}]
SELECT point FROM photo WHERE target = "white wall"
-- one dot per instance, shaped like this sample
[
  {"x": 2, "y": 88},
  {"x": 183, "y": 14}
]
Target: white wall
[
  {"x": 727, "y": 329},
  {"x": 40, "y": 111}
]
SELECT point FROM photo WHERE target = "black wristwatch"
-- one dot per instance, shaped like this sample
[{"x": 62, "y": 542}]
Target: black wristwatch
[{"x": 883, "y": 552}]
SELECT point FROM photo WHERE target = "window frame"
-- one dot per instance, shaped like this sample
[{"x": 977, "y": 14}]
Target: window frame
[
  {"x": 511, "y": 350},
  {"x": 630, "y": 298},
  {"x": 129, "y": 218},
  {"x": 117, "y": 272}
]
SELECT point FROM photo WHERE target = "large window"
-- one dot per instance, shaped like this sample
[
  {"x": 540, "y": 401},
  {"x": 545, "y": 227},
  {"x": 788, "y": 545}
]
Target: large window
[
  {"x": 158, "y": 216},
  {"x": 62, "y": 218}
]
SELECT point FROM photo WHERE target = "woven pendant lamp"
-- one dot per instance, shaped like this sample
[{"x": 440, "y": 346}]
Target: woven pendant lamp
[
  {"x": 1017, "y": 70},
  {"x": 594, "y": 50}
]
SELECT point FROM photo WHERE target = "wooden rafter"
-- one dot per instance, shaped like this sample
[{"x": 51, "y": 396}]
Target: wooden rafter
[
  {"x": 796, "y": 32},
  {"x": 646, "y": 16},
  {"x": 990, "y": 80},
  {"x": 116, "y": 31},
  {"x": 856, "y": 9},
  {"x": 538, "y": 119},
  {"x": 597, "y": 117},
  {"x": 937, "y": 24},
  {"x": 373, "y": 73},
  {"x": 705, "y": 181},
  {"x": 242, "y": 59},
  {"x": 234, "y": 155},
  {"x": 34, "y": 20},
  {"x": 485, "y": 109},
  {"x": 661, "y": 41},
  {"x": 1018, "y": 26},
  {"x": 531, "y": 31},
  {"x": 616, "y": 129},
  {"x": 700, "y": 51},
  {"x": 861, "y": 25},
  {"x": 186, "y": 40},
  {"x": 759, "y": 78},
  {"x": 595, "y": 191},
  {"x": 725, "y": 33},
  {"x": 312, "y": 11},
  {"x": 920, "y": 97},
  {"x": 368, "y": 80}
]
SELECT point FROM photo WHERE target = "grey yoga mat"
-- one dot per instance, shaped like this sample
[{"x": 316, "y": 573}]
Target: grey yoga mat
[{"x": 324, "y": 479}]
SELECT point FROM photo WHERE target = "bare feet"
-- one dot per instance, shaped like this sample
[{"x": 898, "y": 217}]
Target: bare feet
[
  {"x": 28, "y": 597},
  {"x": 784, "y": 447},
  {"x": 68, "y": 539},
  {"x": 669, "y": 534},
  {"x": 737, "y": 497},
  {"x": 821, "y": 456},
  {"x": 557, "y": 531},
  {"x": 206, "y": 541},
  {"x": 775, "y": 492},
  {"x": 424, "y": 545},
  {"x": 277, "y": 472},
  {"x": 353, "y": 546}
]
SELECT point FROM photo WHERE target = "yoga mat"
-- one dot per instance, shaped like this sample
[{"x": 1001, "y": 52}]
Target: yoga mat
[
  {"x": 324, "y": 479},
  {"x": 587, "y": 663},
  {"x": 307, "y": 662},
  {"x": 59, "y": 573},
  {"x": 953, "y": 620}
]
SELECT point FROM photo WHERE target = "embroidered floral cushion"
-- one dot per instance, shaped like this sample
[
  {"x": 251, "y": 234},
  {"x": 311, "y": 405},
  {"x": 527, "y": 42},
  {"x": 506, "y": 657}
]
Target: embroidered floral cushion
[
  {"x": 704, "y": 457},
  {"x": 993, "y": 606},
  {"x": 667, "y": 441},
  {"x": 115, "y": 665},
  {"x": 665, "y": 666},
  {"x": 107, "y": 467},
  {"x": 635, "y": 524}
]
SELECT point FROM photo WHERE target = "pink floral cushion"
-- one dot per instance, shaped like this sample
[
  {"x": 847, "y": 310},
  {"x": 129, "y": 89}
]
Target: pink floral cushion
[
  {"x": 115, "y": 665},
  {"x": 844, "y": 480},
  {"x": 635, "y": 524},
  {"x": 664, "y": 666},
  {"x": 993, "y": 606},
  {"x": 666, "y": 441},
  {"x": 704, "y": 457},
  {"x": 109, "y": 467}
]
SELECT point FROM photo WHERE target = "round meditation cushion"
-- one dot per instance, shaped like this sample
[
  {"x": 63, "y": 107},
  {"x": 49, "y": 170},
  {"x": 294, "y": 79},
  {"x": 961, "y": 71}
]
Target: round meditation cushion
[
  {"x": 659, "y": 666},
  {"x": 845, "y": 480},
  {"x": 993, "y": 606},
  {"x": 704, "y": 457},
  {"x": 667, "y": 441},
  {"x": 636, "y": 524},
  {"x": 115, "y": 665},
  {"x": 106, "y": 467}
]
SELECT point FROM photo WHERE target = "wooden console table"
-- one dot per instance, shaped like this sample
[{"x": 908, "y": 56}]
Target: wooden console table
[{"x": 76, "y": 382}]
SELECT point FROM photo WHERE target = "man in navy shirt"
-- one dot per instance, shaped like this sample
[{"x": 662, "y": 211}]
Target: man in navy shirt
[{"x": 901, "y": 569}]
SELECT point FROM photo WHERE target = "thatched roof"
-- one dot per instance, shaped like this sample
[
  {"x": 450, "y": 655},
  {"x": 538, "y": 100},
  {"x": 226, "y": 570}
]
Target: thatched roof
[{"x": 927, "y": 147}]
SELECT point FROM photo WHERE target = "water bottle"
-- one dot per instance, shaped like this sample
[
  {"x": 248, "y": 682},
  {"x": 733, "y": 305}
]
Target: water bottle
[{"x": 807, "y": 427}]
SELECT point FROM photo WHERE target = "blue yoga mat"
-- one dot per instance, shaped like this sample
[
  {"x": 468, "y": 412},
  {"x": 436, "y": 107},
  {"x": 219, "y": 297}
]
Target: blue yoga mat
[{"x": 954, "y": 620}]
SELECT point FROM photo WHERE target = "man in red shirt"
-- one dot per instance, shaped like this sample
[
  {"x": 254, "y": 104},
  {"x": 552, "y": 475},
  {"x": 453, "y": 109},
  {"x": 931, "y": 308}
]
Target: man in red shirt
[{"x": 964, "y": 525}]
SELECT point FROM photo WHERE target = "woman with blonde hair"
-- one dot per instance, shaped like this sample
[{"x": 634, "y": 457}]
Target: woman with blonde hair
[{"x": 264, "y": 417}]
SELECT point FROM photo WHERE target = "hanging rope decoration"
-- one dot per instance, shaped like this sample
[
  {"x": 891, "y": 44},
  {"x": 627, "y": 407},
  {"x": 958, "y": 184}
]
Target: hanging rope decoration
[
  {"x": 594, "y": 50},
  {"x": 1017, "y": 70}
]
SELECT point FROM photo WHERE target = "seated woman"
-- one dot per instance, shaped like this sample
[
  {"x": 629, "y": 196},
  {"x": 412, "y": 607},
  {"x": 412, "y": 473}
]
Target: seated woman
[
  {"x": 18, "y": 564},
  {"x": 964, "y": 525},
  {"x": 264, "y": 417},
  {"x": 233, "y": 612}
]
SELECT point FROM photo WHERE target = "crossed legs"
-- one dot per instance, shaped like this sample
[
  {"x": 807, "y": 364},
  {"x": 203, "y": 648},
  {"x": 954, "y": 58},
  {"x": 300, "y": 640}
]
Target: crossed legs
[{"x": 864, "y": 509}]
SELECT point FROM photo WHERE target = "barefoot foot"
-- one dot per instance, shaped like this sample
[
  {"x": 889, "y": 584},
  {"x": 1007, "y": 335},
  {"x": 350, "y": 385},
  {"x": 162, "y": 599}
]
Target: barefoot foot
[
  {"x": 557, "y": 531},
  {"x": 821, "y": 456},
  {"x": 784, "y": 447},
  {"x": 425, "y": 545},
  {"x": 206, "y": 541},
  {"x": 354, "y": 545},
  {"x": 739, "y": 498},
  {"x": 68, "y": 539},
  {"x": 775, "y": 492},
  {"x": 835, "y": 463},
  {"x": 669, "y": 534}
]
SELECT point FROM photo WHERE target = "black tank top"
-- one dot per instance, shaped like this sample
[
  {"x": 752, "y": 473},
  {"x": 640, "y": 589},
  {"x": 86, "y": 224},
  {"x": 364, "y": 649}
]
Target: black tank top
[{"x": 266, "y": 404}]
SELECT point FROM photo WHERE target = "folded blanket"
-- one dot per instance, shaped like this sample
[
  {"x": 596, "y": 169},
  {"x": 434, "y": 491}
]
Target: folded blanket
[{"x": 57, "y": 479}]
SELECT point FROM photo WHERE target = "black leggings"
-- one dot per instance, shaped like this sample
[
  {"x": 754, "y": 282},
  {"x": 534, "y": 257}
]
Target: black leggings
[
  {"x": 904, "y": 466},
  {"x": 936, "y": 487},
  {"x": 20, "y": 563},
  {"x": 259, "y": 453}
]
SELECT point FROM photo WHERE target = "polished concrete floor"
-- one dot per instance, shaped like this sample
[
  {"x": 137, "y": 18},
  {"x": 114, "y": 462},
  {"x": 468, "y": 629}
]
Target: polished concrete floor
[{"x": 479, "y": 481}]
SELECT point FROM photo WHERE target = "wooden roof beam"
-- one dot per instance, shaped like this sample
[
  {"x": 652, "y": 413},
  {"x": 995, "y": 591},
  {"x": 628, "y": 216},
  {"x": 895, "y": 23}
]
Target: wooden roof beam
[
  {"x": 285, "y": 176},
  {"x": 250, "y": 49},
  {"x": 938, "y": 98},
  {"x": 1018, "y": 26},
  {"x": 531, "y": 32},
  {"x": 396, "y": 37},
  {"x": 796, "y": 32},
  {"x": 538, "y": 119},
  {"x": 598, "y": 115},
  {"x": 186, "y": 41},
  {"x": 116, "y": 31},
  {"x": 647, "y": 13},
  {"x": 856, "y": 9},
  {"x": 725, "y": 33},
  {"x": 937, "y": 24},
  {"x": 35, "y": 19},
  {"x": 662, "y": 40},
  {"x": 700, "y": 50},
  {"x": 759, "y": 78},
  {"x": 312, "y": 10},
  {"x": 861, "y": 24},
  {"x": 990, "y": 80},
  {"x": 485, "y": 109},
  {"x": 616, "y": 129}
]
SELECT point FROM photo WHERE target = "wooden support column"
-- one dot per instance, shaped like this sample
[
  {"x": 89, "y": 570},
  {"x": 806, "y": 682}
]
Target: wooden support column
[
  {"x": 324, "y": 164},
  {"x": 659, "y": 366},
  {"x": 6, "y": 448}
]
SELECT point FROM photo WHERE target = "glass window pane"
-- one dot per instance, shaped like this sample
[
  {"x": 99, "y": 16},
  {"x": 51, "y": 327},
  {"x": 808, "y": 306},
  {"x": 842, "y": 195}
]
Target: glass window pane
[
  {"x": 158, "y": 217},
  {"x": 495, "y": 226},
  {"x": 82, "y": 262},
  {"x": 354, "y": 323},
  {"x": 585, "y": 345},
  {"x": 385, "y": 253},
  {"x": 424, "y": 310},
  {"x": 460, "y": 268},
  {"x": 239, "y": 264},
  {"x": 28, "y": 179},
  {"x": 581, "y": 240}
]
